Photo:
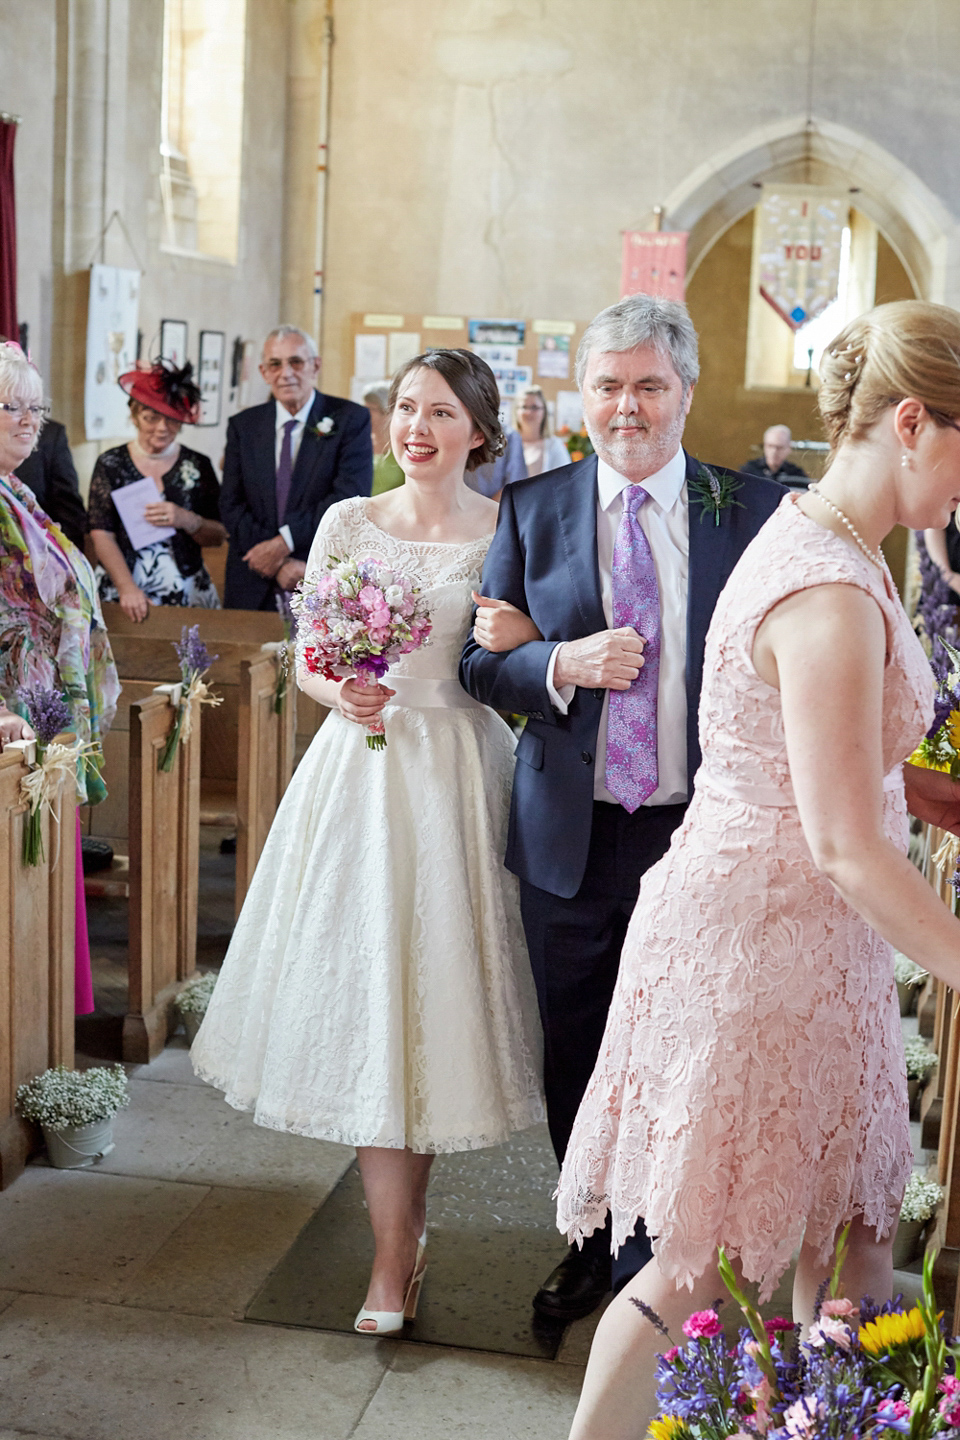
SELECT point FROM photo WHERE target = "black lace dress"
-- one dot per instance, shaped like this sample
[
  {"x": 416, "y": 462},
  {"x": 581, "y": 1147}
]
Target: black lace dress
[{"x": 171, "y": 572}]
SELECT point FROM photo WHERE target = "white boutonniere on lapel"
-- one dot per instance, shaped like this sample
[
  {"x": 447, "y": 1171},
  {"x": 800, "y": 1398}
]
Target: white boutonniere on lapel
[
  {"x": 323, "y": 427},
  {"x": 189, "y": 475},
  {"x": 715, "y": 492}
]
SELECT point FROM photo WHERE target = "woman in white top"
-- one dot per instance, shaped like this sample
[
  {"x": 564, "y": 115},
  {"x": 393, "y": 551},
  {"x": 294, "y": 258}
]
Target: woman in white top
[{"x": 541, "y": 452}]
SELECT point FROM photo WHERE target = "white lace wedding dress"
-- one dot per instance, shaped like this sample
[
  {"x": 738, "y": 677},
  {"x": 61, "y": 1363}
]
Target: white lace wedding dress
[{"x": 377, "y": 989}]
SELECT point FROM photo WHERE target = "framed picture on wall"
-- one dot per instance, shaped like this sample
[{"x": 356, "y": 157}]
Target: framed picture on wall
[
  {"x": 173, "y": 341},
  {"x": 211, "y": 360}
]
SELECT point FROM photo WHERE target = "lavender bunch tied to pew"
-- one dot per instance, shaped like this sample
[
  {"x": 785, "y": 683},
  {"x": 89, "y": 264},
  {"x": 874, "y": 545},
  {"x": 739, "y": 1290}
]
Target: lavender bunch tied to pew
[
  {"x": 49, "y": 715},
  {"x": 195, "y": 661}
]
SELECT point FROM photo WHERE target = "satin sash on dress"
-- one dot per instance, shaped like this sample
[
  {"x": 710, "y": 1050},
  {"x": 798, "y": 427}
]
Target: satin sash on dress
[
  {"x": 779, "y": 796},
  {"x": 422, "y": 694}
]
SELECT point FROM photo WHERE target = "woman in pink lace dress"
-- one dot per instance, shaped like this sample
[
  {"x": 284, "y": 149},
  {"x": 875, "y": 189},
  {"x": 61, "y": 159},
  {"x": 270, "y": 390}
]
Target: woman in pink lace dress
[{"x": 751, "y": 1090}]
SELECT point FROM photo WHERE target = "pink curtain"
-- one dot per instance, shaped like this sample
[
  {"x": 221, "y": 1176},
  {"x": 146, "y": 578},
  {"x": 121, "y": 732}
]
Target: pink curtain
[{"x": 8, "y": 233}]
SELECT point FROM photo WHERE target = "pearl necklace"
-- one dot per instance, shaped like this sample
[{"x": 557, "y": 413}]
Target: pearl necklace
[{"x": 875, "y": 555}]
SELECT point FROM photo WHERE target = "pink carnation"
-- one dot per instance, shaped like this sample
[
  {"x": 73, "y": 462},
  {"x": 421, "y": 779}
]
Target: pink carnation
[
  {"x": 949, "y": 1406},
  {"x": 672, "y": 1354},
  {"x": 838, "y": 1307},
  {"x": 702, "y": 1324},
  {"x": 835, "y": 1331}
]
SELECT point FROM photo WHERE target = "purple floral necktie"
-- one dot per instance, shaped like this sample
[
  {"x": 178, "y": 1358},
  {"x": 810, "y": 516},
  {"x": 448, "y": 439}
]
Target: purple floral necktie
[
  {"x": 632, "y": 773},
  {"x": 285, "y": 469}
]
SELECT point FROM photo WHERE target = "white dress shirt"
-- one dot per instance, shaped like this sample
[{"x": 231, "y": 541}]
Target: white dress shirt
[
  {"x": 296, "y": 435},
  {"x": 664, "y": 519}
]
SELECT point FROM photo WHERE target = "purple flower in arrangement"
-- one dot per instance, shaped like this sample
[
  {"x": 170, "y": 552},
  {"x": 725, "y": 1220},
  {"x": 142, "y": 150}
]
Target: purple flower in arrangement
[
  {"x": 47, "y": 711},
  {"x": 192, "y": 653}
]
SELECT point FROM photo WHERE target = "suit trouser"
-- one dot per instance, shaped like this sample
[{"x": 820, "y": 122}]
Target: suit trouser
[{"x": 574, "y": 947}]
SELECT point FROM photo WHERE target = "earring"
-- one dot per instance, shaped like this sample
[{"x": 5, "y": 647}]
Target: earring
[{"x": 906, "y": 463}]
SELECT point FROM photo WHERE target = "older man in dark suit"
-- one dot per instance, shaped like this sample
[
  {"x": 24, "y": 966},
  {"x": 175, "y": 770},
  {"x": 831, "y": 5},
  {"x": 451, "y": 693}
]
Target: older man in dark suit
[
  {"x": 619, "y": 559},
  {"x": 286, "y": 462}
]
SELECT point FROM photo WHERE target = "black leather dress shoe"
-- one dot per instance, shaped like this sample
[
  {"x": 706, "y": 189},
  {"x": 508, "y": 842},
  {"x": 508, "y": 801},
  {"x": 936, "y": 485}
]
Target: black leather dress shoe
[{"x": 575, "y": 1288}]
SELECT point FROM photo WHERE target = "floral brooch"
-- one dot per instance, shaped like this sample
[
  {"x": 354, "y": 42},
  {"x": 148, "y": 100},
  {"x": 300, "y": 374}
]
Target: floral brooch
[
  {"x": 715, "y": 492},
  {"x": 322, "y": 428}
]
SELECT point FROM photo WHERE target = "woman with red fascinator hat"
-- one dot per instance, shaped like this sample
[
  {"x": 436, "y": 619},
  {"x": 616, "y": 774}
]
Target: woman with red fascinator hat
[{"x": 170, "y": 571}]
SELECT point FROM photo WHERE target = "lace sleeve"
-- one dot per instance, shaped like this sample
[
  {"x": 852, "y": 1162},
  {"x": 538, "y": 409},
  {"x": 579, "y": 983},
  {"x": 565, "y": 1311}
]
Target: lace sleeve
[{"x": 332, "y": 537}]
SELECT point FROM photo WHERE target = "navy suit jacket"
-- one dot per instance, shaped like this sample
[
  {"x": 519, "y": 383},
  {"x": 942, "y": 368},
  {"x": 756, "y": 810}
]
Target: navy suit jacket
[
  {"x": 328, "y": 468},
  {"x": 543, "y": 559}
]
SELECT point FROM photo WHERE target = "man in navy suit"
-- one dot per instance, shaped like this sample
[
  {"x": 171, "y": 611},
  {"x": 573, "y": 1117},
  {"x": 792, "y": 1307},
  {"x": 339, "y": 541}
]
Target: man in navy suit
[
  {"x": 286, "y": 462},
  {"x": 579, "y": 852}
]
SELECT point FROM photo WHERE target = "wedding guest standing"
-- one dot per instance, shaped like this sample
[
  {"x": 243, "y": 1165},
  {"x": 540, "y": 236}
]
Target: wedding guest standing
[
  {"x": 751, "y": 1088},
  {"x": 541, "y": 450},
  {"x": 376, "y": 991},
  {"x": 286, "y": 463},
  {"x": 51, "y": 630},
  {"x": 387, "y": 474},
  {"x": 619, "y": 560},
  {"x": 170, "y": 571},
  {"x": 775, "y": 462}
]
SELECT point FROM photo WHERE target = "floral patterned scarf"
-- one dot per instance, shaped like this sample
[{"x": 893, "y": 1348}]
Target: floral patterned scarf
[{"x": 51, "y": 627}]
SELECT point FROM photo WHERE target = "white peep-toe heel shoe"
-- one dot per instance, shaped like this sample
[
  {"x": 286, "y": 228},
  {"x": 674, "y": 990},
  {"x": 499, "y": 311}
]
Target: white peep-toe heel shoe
[{"x": 390, "y": 1322}]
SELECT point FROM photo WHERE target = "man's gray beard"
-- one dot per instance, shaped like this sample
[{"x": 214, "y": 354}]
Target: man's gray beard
[{"x": 639, "y": 451}]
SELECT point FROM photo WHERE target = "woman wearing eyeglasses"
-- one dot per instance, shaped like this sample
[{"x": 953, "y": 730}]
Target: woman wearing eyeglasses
[
  {"x": 51, "y": 630},
  {"x": 169, "y": 571}
]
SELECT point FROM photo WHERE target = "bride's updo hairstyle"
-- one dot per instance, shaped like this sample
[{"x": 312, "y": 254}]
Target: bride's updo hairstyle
[
  {"x": 475, "y": 386},
  {"x": 907, "y": 349}
]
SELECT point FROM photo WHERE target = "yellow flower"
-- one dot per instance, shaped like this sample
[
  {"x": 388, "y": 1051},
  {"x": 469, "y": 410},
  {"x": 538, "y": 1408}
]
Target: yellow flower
[
  {"x": 887, "y": 1332},
  {"x": 668, "y": 1427},
  {"x": 953, "y": 729}
]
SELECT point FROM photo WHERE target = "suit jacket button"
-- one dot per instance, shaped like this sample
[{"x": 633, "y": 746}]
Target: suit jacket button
[
  {"x": 598, "y": 694},
  {"x": 586, "y": 757}
]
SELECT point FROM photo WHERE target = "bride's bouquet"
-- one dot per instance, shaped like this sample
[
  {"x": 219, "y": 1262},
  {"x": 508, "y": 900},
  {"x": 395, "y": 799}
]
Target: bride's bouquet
[{"x": 355, "y": 621}]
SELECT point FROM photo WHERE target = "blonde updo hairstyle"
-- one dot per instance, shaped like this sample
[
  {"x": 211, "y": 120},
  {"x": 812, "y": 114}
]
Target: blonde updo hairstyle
[{"x": 906, "y": 349}]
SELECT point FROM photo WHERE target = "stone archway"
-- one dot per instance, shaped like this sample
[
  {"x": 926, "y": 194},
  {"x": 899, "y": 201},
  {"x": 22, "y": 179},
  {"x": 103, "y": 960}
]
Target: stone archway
[{"x": 916, "y": 222}]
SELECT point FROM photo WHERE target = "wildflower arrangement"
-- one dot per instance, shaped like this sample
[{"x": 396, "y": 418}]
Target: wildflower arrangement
[
  {"x": 919, "y": 1057},
  {"x": 882, "y": 1371},
  {"x": 716, "y": 492},
  {"x": 905, "y": 972},
  {"x": 49, "y": 715},
  {"x": 195, "y": 661},
  {"x": 940, "y": 747},
  {"x": 285, "y": 611},
  {"x": 60, "y": 1098},
  {"x": 194, "y": 998},
  {"x": 920, "y": 1199},
  {"x": 578, "y": 442},
  {"x": 357, "y": 619}
]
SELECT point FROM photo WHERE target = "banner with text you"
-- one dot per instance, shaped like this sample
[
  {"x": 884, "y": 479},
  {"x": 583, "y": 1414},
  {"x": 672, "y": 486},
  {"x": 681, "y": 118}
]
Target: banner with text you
[
  {"x": 654, "y": 263},
  {"x": 799, "y": 238}
]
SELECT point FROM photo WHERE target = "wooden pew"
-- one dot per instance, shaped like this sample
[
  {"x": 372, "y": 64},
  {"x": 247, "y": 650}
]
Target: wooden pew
[
  {"x": 36, "y": 956},
  {"x": 163, "y": 853},
  {"x": 246, "y": 762}
]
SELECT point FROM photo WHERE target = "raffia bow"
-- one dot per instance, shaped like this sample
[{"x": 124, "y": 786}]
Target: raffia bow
[
  {"x": 40, "y": 788},
  {"x": 199, "y": 693},
  {"x": 947, "y": 854}
]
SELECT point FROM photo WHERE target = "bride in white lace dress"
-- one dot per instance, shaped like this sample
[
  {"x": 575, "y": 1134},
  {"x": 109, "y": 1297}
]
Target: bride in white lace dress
[{"x": 377, "y": 990}]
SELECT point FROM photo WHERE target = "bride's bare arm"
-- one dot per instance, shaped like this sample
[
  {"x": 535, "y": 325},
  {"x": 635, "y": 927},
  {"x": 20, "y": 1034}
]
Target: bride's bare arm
[
  {"x": 824, "y": 649},
  {"x": 500, "y": 626}
]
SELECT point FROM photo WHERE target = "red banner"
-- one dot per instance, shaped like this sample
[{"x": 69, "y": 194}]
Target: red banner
[{"x": 654, "y": 263}]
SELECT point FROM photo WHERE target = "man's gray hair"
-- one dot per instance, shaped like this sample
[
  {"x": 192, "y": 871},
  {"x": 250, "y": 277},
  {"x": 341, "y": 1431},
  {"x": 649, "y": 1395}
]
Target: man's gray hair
[
  {"x": 643, "y": 320},
  {"x": 283, "y": 330},
  {"x": 379, "y": 392}
]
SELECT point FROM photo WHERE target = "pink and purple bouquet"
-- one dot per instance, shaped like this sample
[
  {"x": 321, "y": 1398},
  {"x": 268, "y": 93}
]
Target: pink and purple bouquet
[{"x": 355, "y": 621}]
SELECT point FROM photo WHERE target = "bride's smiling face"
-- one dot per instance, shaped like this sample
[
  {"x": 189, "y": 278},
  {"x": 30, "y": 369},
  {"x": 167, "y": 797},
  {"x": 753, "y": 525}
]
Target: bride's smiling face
[{"x": 431, "y": 431}]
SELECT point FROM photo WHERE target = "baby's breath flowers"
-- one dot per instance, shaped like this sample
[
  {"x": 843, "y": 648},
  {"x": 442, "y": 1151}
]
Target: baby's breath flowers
[
  {"x": 194, "y": 998},
  {"x": 60, "y": 1098}
]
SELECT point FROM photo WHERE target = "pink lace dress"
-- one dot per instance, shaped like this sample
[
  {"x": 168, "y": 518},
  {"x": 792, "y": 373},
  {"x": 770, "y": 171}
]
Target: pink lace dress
[{"x": 750, "y": 1089}]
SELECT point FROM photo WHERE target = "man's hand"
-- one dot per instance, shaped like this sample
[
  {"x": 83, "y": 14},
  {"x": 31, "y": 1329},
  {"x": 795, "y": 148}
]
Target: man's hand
[
  {"x": 609, "y": 660},
  {"x": 290, "y": 574},
  {"x": 501, "y": 626},
  {"x": 267, "y": 557},
  {"x": 933, "y": 796}
]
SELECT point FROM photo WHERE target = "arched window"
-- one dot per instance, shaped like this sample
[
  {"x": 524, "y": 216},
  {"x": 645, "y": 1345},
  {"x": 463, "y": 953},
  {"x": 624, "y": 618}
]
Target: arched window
[{"x": 204, "y": 51}]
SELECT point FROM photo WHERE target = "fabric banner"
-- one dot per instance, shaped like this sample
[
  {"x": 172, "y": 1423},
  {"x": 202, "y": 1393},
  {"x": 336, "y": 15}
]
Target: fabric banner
[
  {"x": 799, "y": 238},
  {"x": 654, "y": 263},
  {"x": 8, "y": 232},
  {"x": 111, "y": 349}
]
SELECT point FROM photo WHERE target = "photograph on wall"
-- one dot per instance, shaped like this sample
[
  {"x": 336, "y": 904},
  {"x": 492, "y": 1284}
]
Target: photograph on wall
[
  {"x": 111, "y": 349},
  {"x": 512, "y": 378},
  {"x": 173, "y": 341},
  {"x": 496, "y": 332},
  {"x": 497, "y": 355},
  {"x": 212, "y": 349},
  {"x": 553, "y": 357}
]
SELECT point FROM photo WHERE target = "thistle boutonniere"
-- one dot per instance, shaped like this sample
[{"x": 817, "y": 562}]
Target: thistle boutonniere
[
  {"x": 715, "y": 492},
  {"x": 323, "y": 427}
]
